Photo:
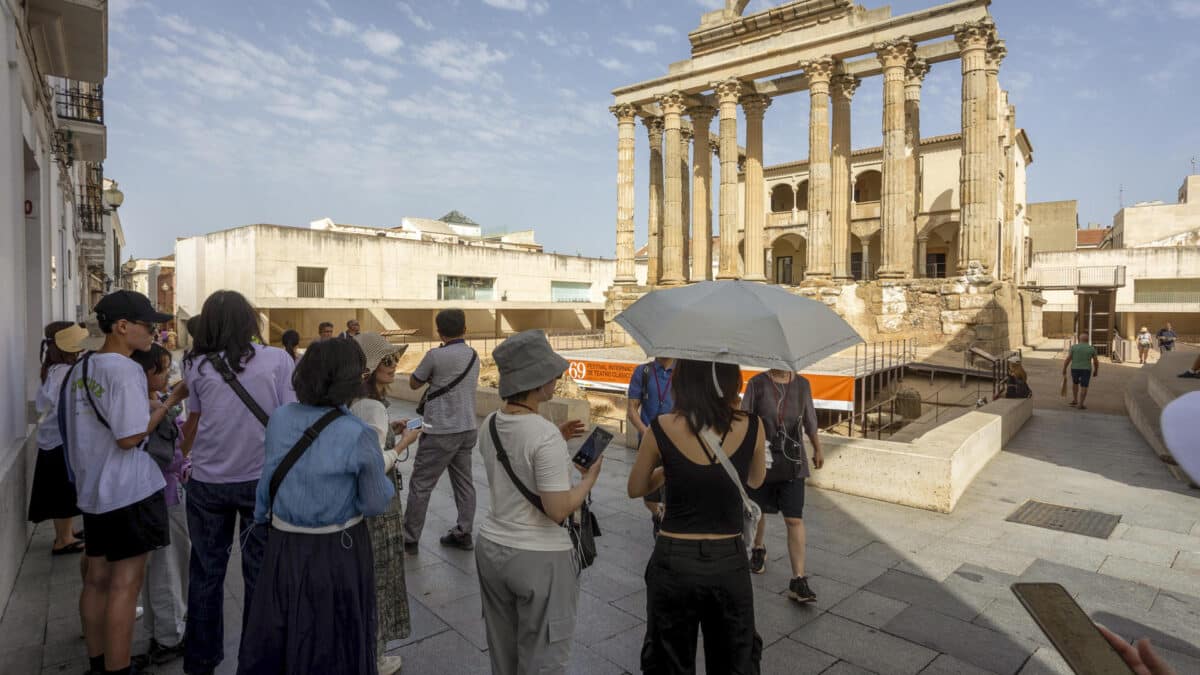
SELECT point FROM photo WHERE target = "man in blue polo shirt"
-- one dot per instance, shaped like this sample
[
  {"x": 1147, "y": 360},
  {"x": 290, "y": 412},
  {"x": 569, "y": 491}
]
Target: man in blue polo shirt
[{"x": 649, "y": 397}]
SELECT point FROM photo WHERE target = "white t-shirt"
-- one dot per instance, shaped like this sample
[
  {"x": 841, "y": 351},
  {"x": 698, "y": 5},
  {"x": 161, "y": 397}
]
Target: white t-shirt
[
  {"x": 375, "y": 415},
  {"x": 48, "y": 436},
  {"x": 106, "y": 477},
  {"x": 540, "y": 458}
]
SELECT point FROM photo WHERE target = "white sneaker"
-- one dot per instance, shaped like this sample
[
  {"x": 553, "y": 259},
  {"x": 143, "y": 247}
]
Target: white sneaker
[{"x": 389, "y": 665}]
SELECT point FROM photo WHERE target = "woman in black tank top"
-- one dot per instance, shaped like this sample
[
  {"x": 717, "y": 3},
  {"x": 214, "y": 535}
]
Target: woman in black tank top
[{"x": 698, "y": 575}]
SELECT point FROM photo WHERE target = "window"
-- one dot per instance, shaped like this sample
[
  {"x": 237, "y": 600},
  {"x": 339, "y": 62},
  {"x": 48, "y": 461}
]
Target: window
[
  {"x": 783, "y": 270},
  {"x": 868, "y": 186},
  {"x": 856, "y": 266},
  {"x": 310, "y": 282},
  {"x": 570, "y": 291},
  {"x": 466, "y": 288},
  {"x": 935, "y": 265},
  {"x": 1166, "y": 291}
]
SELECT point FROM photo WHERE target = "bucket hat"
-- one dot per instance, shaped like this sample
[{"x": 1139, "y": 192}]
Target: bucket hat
[
  {"x": 526, "y": 361},
  {"x": 70, "y": 340},
  {"x": 376, "y": 347}
]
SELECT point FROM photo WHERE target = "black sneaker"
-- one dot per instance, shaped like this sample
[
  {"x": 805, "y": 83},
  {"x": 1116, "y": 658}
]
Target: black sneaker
[
  {"x": 159, "y": 654},
  {"x": 457, "y": 539},
  {"x": 799, "y": 591},
  {"x": 1190, "y": 374},
  {"x": 758, "y": 560}
]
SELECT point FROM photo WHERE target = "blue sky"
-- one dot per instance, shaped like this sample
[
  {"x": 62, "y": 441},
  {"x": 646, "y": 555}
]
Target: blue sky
[{"x": 225, "y": 113}]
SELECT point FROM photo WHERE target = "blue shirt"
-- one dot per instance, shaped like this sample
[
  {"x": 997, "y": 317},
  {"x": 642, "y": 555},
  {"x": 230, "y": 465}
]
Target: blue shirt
[
  {"x": 340, "y": 476},
  {"x": 657, "y": 399}
]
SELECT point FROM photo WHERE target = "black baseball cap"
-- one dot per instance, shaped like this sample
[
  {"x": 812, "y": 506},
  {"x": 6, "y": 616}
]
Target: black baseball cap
[{"x": 128, "y": 305}]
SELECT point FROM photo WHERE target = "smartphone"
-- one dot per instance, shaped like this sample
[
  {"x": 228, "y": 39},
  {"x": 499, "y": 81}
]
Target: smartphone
[
  {"x": 415, "y": 423},
  {"x": 595, "y": 444},
  {"x": 1070, "y": 630}
]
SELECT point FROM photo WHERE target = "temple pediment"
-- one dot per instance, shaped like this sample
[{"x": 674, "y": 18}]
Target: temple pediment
[{"x": 721, "y": 29}]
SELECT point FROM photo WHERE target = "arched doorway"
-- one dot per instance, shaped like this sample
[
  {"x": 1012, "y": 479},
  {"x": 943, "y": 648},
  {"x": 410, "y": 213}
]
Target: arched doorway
[
  {"x": 864, "y": 263},
  {"x": 868, "y": 186},
  {"x": 941, "y": 251},
  {"x": 788, "y": 253},
  {"x": 802, "y": 196},
  {"x": 783, "y": 199}
]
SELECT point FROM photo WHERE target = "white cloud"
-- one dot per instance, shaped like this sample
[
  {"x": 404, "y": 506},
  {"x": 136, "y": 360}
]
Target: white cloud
[
  {"x": 365, "y": 66},
  {"x": 381, "y": 42},
  {"x": 462, "y": 61},
  {"x": 711, "y": 4},
  {"x": 532, "y": 6},
  {"x": 615, "y": 65},
  {"x": 414, "y": 18},
  {"x": 639, "y": 46},
  {"x": 164, "y": 44},
  {"x": 1186, "y": 9},
  {"x": 335, "y": 26},
  {"x": 178, "y": 24},
  {"x": 664, "y": 30}
]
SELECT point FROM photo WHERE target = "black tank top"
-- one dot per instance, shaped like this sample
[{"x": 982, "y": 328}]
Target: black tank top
[{"x": 700, "y": 497}]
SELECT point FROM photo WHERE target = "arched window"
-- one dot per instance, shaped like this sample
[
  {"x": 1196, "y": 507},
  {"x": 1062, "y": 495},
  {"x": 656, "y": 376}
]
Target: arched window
[
  {"x": 802, "y": 196},
  {"x": 782, "y": 199},
  {"x": 868, "y": 187}
]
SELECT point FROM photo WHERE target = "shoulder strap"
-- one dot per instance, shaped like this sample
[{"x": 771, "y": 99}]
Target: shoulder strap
[
  {"x": 230, "y": 378},
  {"x": 87, "y": 390},
  {"x": 502, "y": 457},
  {"x": 470, "y": 364},
  {"x": 709, "y": 438},
  {"x": 310, "y": 435},
  {"x": 646, "y": 368}
]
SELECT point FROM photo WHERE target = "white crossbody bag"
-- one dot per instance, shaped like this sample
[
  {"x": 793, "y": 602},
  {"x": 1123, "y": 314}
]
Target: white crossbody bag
[{"x": 751, "y": 513}]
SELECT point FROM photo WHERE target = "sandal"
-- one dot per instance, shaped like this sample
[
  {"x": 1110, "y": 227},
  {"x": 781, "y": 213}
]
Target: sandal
[
  {"x": 79, "y": 535},
  {"x": 69, "y": 549}
]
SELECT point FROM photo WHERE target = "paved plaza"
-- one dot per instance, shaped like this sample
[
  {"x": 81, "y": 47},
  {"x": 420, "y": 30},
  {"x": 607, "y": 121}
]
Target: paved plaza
[{"x": 900, "y": 590}]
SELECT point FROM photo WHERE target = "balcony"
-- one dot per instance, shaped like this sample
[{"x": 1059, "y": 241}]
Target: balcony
[
  {"x": 79, "y": 107},
  {"x": 864, "y": 210},
  {"x": 1073, "y": 278},
  {"x": 70, "y": 37},
  {"x": 787, "y": 219}
]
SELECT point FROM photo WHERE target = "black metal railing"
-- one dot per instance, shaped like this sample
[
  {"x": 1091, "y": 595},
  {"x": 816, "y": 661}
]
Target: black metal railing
[
  {"x": 91, "y": 217},
  {"x": 79, "y": 101}
]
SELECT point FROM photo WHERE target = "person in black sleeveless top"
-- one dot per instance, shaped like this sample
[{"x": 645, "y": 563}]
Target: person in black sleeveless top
[{"x": 698, "y": 575}]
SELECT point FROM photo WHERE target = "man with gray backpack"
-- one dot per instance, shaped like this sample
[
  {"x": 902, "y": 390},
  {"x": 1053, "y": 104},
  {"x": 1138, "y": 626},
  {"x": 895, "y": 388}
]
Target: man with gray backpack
[{"x": 447, "y": 407}]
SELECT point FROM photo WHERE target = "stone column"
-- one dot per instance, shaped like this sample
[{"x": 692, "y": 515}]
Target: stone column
[
  {"x": 843, "y": 90},
  {"x": 914, "y": 76},
  {"x": 654, "y": 219},
  {"x": 701, "y": 193},
  {"x": 995, "y": 212},
  {"x": 626, "y": 273},
  {"x": 975, "y": 259},
  {"x": 755, "y": 106},
  {"x": 728, "y": 93},
  {"x": 922, "y": 252},
  {"x": 895, "y": 223},
  {"x": 866, "y": 256},
  {"x": 672, "y": 239},
  {"x": 820, "y": 198},
  {"x": 685, "y": 199}
]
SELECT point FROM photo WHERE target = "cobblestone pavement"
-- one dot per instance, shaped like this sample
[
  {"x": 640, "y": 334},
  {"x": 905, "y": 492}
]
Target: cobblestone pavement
[{"x": 900, "y": 590}]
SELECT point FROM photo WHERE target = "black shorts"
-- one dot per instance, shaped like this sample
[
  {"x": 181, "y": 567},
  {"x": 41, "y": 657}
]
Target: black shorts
[
  {"x": 53, "y": 494},
  {"x": 128, "y": 531},
  {"x": 1081, "y": 377},
  {"x": 787, "y": 497}
]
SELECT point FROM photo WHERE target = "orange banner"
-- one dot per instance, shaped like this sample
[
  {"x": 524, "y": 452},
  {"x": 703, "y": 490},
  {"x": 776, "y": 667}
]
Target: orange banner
[{"x": 830, "y": 392}]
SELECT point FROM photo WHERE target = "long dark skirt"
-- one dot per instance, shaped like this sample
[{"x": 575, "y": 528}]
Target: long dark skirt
[
  {"x": 314, "y": 606},
  {"x": 52, "y": 494}
]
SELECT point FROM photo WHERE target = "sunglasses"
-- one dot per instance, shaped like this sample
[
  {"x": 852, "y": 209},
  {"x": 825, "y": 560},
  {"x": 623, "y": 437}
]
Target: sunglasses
[{"x": 152, "y": 327}]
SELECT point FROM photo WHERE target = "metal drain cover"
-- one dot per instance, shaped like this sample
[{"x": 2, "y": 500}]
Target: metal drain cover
[{"x": 1065, "y": 519}]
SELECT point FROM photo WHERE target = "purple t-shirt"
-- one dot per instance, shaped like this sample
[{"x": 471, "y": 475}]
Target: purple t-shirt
[{"x": 229, "y": 445}]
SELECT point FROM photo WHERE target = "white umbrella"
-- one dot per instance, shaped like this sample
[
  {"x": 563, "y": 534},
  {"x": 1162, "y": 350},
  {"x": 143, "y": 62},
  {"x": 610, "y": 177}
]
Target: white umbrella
[
  {"x": 742, "y": 322},
  {"x": 1178, "y": 424}
]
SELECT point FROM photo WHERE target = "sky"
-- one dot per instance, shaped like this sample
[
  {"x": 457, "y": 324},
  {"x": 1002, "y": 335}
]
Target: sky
[{"x": 226, "y": 113}]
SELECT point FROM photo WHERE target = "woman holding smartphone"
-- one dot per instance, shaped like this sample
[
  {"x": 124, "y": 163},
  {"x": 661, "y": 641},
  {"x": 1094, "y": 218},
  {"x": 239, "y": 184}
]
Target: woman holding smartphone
[
  {"x": 387, "y": 529},
  {"x": 527, "y": 572}
]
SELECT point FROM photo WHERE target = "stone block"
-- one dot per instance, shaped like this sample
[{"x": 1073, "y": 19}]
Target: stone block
[
  {"x": 864, "y": 647},
  {"x": 979, "y": 646},
  {"x": 788, "y": 657},
  {"x": 948, "y": 665},
  {"x": 889, "y": 323},
  {"x": 869, "y": 608},
  {"x": 977, "y": 301},
  {"x": 926, "y": 593},
  {"x": 953, "y": 288},
  {"x": 1089, "y": 587}
]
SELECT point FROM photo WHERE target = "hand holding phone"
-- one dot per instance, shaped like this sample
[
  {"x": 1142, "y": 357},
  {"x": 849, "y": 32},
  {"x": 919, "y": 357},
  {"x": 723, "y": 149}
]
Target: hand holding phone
[
  {"x": 415, "y": 423},
  {"x": 592, "y": 447},
  {"x": 1071, "y": 631}
]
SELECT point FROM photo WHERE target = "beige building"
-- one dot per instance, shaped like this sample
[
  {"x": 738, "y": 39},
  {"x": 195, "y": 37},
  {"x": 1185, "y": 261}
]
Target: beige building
[
  {"x": 1052, "y": 225},
  {"x": 393, "y": 279},
  {"x": 886, "y": 218},
  {"x": 1144, "y": 271}
]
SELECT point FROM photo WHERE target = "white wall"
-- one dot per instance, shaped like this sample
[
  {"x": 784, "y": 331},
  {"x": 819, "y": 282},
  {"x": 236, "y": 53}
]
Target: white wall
[{"x": 1140, "y": 263}]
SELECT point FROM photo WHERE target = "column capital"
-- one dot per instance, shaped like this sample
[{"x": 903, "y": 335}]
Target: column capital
[
  {"x": 923, "y": 238},
  {"x": 654, "y": 129},
  {"x": 916, "y": 71},
  {"x": 844, "y": 86},
  {"x": 672, "y": 103},
  {"x": 625, "y": 113},
  {"x": 728, "y": 91},
  {"x": 995, "y": 54},
  {"x": 755, "y": 105},
  {"x": 685, "y": 134},
  {"x": 975, "y": 35},
  {"x": 714, "y": 144},
  {"x": 818, "y": 70},
  {"x": 895, "y": 53}
]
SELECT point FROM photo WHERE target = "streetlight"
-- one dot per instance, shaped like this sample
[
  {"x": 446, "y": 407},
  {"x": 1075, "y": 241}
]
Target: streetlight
[{"x": 114, "y": 197}]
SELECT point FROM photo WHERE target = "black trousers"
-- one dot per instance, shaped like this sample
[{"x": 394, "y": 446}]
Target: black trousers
[{"x": 705, "y": 585}]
